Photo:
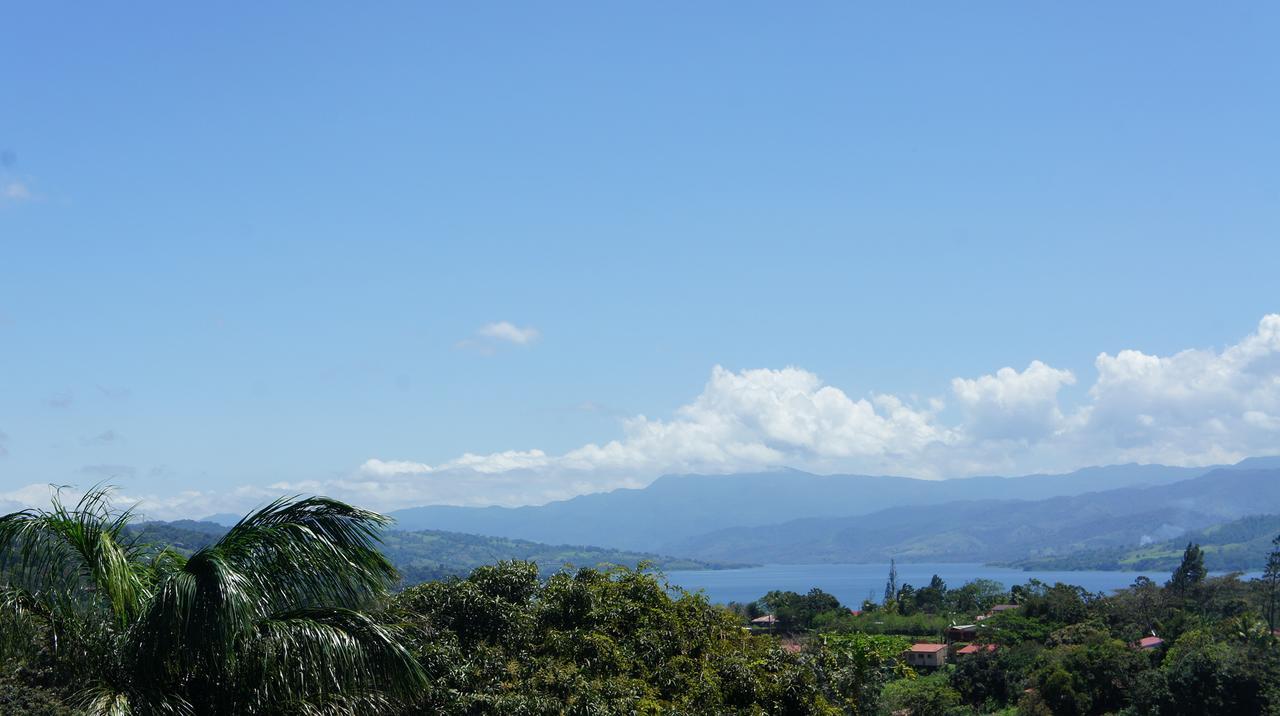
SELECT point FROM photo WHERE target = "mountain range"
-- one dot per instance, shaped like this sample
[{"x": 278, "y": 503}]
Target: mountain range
[
  {"x": 1002, "y": 530},
  {"x": 791, "y": 516}
]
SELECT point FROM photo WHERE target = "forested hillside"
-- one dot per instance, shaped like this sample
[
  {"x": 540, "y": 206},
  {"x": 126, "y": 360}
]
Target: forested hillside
[
  {"x": 433, "y": 554},
  {"x": 1239, "y": 545}
]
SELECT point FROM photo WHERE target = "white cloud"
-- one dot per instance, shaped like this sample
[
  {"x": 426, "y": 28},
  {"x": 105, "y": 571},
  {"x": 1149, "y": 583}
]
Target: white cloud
[
  {"x": 1013, "y": 405},
  {"x": 509, "y": 332},
  {"x": 744, "y": 420},
  {"x": 1195, "y": 407}
]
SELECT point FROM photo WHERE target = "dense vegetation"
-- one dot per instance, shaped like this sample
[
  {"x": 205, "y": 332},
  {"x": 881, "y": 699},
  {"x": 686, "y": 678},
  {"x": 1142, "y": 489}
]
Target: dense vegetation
[
  {"x": 273, "y": 617},
  {"x": 291, "y": 612}
]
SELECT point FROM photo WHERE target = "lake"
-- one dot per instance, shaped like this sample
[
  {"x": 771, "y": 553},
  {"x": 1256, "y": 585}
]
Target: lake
[{"x": 852, "y": 583}]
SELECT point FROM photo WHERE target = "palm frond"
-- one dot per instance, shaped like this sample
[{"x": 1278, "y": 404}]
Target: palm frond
[
  {"x": 101, "y": 699},
  {"x": 311, "y": 551},
  {"x": 308, "y": 658},
  {"x": 81, "y": 552}
]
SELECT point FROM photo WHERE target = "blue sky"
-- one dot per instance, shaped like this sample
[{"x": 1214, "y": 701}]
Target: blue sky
[{"x": 260, "y": 246}]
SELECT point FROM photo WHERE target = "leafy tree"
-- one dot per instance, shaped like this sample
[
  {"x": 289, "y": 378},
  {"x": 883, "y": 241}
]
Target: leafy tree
[
  {"x": 1060, "y": 604},
  {"x": 932, "y": 599},
  {"x": 267, "y": 619},
  {"x": 982, "y": 680},
  {"x": 1102, "y": 673},
  {"x": 976, "y": 596},
  {"x": 1058, "y": 690},
  {"x": 907, "y": 600},
  {"x": 592, "y": 642},
  {"x": 1271, "y": 578},
  {"x": 854, "y": 668},
  {"x": 797, "y": 612},
  {"x": 927, "y": 695},
  {"x": 1206, "y": 675},
  {"x": 1190, "y": 572}
]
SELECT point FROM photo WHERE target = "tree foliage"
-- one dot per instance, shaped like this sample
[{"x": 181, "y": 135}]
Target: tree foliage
[
  {"x": 268, "y": 619},
  {"x": 1190, "y": 571},
  {"x": 616, "y": 641}
]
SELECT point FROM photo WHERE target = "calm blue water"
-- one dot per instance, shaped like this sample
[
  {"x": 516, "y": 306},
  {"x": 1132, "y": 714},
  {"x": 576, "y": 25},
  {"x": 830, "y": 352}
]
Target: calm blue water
[{"x": 852, "y": 583}]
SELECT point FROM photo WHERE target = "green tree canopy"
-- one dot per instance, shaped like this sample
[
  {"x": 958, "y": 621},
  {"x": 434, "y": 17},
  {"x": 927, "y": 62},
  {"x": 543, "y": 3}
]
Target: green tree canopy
[
  {"x": 1190, "y": 572},
  {"x": 266, "y": 620}
]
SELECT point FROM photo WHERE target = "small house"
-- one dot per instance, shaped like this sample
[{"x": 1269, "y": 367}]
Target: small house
[
  {"x": 997, "y": 609},
  {"x": 767, "y": 621},
  {"x": 962, "y": 632},
  {"x": 969, "y": 649},
  {"x": 928, "y": 656},
  {"x": 1149, "y": 642}
]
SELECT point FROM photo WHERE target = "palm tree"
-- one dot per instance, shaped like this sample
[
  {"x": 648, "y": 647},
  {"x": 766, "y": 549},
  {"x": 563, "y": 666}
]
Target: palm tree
[{"x": 271, "y": 618}]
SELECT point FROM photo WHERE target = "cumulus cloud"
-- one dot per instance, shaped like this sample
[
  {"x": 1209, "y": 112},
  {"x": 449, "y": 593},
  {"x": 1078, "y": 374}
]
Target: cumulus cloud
[
  {"x": 1013, "y": 405},
  {"x": 1196, "y": 407},
  {"x": 1199, "y": 406},
  {"x": 509, "y": 332},
  {"x": 744, "y": 420}
]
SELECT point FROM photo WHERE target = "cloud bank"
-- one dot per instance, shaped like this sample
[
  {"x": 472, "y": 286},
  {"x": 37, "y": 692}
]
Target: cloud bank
[{"x": 1196, "y": 407}]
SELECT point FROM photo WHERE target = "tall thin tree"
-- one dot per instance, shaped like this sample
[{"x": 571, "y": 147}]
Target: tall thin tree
[
  {"x": 1190, "y": 572},
  {"x": 891, "y": 585},
  {"x": 1271, "y": 578}
]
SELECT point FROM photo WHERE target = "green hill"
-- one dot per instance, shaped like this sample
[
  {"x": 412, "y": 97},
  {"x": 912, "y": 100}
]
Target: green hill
[
  {"x": 426, "y": 555},
  {"x": 1239, "y": 545}
]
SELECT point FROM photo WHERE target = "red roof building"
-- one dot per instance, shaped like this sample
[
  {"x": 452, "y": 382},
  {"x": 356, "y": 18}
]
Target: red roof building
[
  {"x": 929, "y": 656},
  {"x": 975, "y": 648},
  {"x": 1150, "y": 642}
]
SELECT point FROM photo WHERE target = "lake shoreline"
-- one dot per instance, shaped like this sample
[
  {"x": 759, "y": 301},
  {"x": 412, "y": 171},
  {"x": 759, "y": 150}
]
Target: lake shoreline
[{"x": 852, "y": 583}]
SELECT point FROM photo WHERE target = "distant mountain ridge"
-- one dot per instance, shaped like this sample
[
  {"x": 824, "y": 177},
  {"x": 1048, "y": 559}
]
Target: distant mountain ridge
[
  {"x": 1005, "y": 530},
  {"x": 677, "y": 507}
]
